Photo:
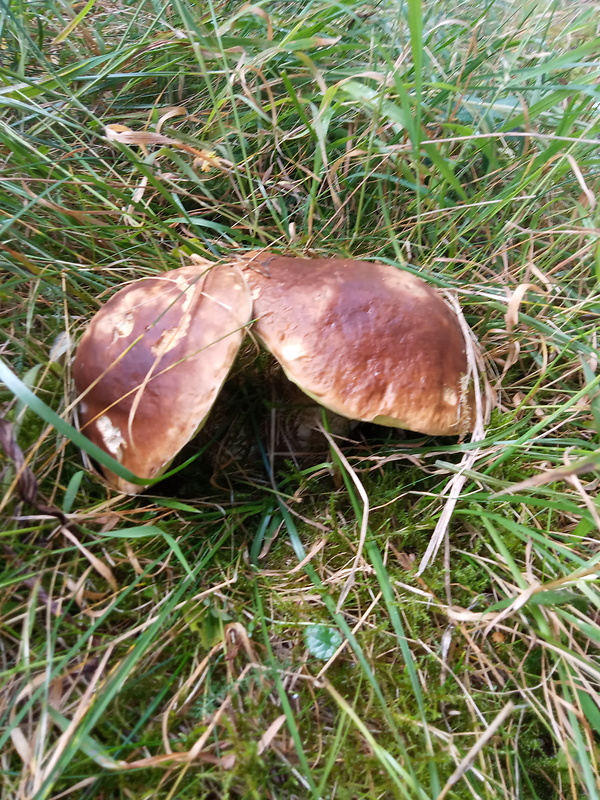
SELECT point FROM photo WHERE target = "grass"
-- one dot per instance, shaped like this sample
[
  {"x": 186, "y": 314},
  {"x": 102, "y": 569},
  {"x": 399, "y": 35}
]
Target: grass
[{"x": 190, "y": 642}]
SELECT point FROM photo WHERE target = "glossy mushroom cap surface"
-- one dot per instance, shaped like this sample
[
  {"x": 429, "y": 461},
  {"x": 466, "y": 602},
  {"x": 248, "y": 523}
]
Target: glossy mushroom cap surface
[
  {"x": 368, "y": 341},
  {"x": 152, "y": 362}
]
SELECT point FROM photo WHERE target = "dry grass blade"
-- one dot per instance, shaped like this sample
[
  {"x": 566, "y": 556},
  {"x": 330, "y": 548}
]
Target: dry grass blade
[
  {"x": 481, "y": 742},
  {"x": 124, "y": 135},
  {"x": 364, "y": 520},
  {"x": 581, "y": 466},
  {"x": 265, "y": 740},
  {"x": 483, "y": 402}
]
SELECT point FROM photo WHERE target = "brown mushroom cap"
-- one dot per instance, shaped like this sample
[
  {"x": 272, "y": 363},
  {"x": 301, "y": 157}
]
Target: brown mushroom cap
[
  {"x": 368, "y": 341},
  {"x": 152, "y": 362}
]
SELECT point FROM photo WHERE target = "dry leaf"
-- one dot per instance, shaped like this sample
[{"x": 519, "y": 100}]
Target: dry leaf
[
  {"x": 21, "y": 745},
  {"x": 268, "y": 736},
  {"x": 511, "y": 316},
  {"x": 206, "y": 161},
  {"x": 169, "y": 113},
  {"x": 406, "y": 560},
  {"x": 100, "y": 567},
  {"x": 115, "y": 128}
]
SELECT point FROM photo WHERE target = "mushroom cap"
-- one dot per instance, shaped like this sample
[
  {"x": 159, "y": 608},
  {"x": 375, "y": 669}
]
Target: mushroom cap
[
  {"x": 152, "y": 362},
  {"x": 368, "y": 341}
]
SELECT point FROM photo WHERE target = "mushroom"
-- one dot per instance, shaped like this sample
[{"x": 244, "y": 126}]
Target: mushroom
[
  {"x": 152, "y": 362},
  {"x": 368, "y": 341}
]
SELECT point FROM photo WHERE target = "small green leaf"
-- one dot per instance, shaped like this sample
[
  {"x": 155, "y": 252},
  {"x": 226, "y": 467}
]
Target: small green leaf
[
  {"x": 322, "y": 641},
  {"x": 372, "y": 98},
  {"x": 204, "y": 621},
  {"x": 29, "y": 380},
  {"x": 71, "y": 492},
  {"x": 590, "y": 709},
  {"x": 559, "y": 597},
  {"x": 142, "y": 531},
  {"x": 209, "y": 630},
  {"x": 552, "y": 597},
  {"x": 595, "y": 398}
]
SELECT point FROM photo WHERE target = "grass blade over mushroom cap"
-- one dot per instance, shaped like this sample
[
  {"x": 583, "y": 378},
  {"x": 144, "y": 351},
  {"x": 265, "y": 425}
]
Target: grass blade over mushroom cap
[
  {"x": 152, "y": 361},
  {"x": 366, "y": 340}
]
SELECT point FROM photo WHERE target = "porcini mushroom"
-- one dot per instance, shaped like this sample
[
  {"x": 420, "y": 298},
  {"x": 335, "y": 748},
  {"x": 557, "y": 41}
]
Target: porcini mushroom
[
  {"x": 368, "y": 341},
  {"x": 152, "y": 362}
]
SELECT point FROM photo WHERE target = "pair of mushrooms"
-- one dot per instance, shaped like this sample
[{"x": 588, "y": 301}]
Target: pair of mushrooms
[{"x": 367, "y": 341}]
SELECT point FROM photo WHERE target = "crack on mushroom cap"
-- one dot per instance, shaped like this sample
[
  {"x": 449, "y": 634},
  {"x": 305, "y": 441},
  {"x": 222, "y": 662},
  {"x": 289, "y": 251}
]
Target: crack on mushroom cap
[
  {"x": 450, "y": 396},
  {"x": 123, "y": 326},
  {"x": 111, "y": 436},
  {"x": 170, "y": 338}
]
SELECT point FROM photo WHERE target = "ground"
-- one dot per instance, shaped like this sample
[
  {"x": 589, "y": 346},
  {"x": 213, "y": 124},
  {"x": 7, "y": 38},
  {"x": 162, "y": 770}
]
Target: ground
[{"x": 202, "y": 639}]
